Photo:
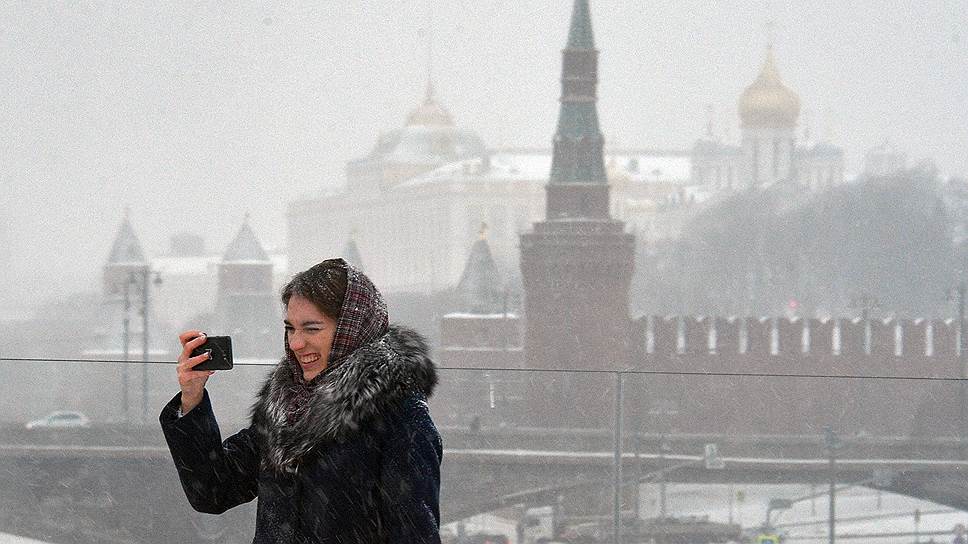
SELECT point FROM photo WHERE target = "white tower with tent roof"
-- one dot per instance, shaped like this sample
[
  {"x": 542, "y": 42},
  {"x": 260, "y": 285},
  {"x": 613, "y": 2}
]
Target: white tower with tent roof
[{"x": 246, "y": 306}]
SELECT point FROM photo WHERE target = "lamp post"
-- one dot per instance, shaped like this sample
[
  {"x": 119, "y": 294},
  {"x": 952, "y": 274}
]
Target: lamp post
[
  {"x": 832, "y": 443},
  {"x": 125, "y": 348},
  {"x": 666, "y": 409},
  {"x": 962, "y": 373},
  {"x": 617, "y": 461},
  {"x": 147, "y": 278},
  {"x": 664, "y": 448},
  {"x": 959, "y": 294}
]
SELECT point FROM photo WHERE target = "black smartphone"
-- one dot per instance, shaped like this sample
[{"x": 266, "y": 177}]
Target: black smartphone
[{"x": 221, "y": 349}]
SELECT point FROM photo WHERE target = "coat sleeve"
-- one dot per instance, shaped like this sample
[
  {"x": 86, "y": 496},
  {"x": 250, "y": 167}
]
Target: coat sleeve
[
  {"x": 215, "y": 475},
  {"x": 410, "y": 477}
]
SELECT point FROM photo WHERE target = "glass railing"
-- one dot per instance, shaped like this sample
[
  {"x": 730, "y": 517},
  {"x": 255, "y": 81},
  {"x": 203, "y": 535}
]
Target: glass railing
[{"x": 651, "y": 455}]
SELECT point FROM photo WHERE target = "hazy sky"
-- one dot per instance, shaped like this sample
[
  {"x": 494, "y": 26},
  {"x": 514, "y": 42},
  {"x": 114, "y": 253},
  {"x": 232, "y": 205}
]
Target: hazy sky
[{"x": 193, "y": 114}]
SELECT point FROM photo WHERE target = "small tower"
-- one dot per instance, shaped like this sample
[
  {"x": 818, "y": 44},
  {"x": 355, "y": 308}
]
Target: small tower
[
  {"x": 126, "y": 260},
  {"x": 119, "y": 329},
  {"x": 246, "y": 305},
  {"x": 351, "y": 252},
  {"x": 483, "y": 332},
  {"x": 768, "y": 111},
  {"x": 480, "y": 287},
  {"x": 481, "y": 320}
]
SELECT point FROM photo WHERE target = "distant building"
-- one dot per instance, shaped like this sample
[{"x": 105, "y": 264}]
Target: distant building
[
  {"x": 768, "y": 152},
  {"x": 233, "y": 293}
]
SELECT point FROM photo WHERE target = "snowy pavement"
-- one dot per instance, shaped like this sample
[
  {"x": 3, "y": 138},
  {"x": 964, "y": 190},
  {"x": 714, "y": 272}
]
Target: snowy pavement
[{"x": 14, "y": 539}]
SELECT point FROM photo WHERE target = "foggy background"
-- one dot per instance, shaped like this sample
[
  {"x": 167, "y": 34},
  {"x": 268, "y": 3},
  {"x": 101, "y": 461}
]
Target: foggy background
[{"x": 192, "y": 114}]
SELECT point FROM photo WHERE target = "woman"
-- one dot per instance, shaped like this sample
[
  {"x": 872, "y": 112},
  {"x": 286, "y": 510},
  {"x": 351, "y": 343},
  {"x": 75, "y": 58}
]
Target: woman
[{"x": 341, "y": 447}]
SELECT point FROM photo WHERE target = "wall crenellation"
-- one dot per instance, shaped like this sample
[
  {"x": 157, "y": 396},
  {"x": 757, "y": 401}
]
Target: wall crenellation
[{"x": 877, "y": 338}]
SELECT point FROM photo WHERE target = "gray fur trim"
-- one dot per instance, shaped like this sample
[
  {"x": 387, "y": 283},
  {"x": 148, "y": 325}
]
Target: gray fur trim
[{"x": 370, "y": 380}]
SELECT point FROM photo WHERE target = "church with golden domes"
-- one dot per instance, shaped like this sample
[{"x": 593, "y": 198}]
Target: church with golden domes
[{"x": 768, "y": 152}]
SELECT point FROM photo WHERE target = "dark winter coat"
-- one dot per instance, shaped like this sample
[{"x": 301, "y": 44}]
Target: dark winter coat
[{"x": 361, "y": 465}]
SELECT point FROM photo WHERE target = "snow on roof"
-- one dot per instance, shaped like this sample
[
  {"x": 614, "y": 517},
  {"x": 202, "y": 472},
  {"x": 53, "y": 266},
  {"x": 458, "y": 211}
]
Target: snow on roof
[
  {"x": 208, "y": 264},
  {"x": 186, "y": 266},
  {"x": 535, "y": 165}
]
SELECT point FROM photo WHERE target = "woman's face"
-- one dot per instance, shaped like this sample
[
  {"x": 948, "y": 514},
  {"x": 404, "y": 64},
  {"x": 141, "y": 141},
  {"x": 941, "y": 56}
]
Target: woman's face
[{"x": 310, "y": 333}]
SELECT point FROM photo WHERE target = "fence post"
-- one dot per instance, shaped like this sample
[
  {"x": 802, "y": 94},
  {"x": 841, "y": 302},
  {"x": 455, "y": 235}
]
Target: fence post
[{"x": 617, "y": 468}]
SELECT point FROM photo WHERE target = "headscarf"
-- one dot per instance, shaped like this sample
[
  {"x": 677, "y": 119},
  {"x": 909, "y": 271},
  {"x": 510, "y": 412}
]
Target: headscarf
[{"x": 363, "y": 319}]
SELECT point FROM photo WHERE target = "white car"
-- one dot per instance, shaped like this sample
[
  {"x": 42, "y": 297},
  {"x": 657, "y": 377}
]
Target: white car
[{"x": 61, "y": 419}]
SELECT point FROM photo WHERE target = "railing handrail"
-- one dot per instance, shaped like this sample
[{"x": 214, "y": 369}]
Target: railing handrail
[{"x": 623, "y": 372}]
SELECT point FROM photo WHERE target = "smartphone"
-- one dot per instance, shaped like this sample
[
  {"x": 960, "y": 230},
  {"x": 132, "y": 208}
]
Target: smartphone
[{"x": 221, "y": 349}]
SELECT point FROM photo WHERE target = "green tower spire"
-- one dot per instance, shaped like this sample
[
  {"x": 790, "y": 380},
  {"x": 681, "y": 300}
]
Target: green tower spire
[
  {"x": 578, "y": 186},
  {"x": 580, "y": 34}
]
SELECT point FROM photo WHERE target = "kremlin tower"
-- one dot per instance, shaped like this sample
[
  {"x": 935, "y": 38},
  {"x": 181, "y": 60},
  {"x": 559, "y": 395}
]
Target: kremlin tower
[{"x": 577, "y": 264}]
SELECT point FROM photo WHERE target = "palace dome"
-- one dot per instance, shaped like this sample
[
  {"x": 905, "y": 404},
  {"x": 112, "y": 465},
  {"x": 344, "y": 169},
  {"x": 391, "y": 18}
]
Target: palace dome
[
  {"x": 430, "y": 113},
  {"x": 429, "y": 135}
]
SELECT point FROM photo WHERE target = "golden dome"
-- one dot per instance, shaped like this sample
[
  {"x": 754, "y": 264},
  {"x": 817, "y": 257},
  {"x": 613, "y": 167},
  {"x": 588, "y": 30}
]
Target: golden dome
[
  {"x": 767, "y": 102},
  {"x": 430, "y": 113}
]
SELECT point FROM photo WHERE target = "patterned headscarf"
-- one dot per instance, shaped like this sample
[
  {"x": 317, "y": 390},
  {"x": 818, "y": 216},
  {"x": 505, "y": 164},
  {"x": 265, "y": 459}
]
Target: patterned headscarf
[{"x": 363, "y": 319}]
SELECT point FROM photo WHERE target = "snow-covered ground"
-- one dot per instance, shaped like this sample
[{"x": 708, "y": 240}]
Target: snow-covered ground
[
  {"x": 14, "y": 539},
  {"x": 861, "y": 512}
]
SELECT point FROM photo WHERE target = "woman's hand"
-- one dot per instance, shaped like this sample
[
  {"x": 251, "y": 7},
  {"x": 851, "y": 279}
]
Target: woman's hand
[{"x": 192, "y": 382}]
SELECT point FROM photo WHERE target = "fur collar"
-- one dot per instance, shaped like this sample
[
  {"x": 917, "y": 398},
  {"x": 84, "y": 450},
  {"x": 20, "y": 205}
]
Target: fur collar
[{"x": 369, "y": 381}]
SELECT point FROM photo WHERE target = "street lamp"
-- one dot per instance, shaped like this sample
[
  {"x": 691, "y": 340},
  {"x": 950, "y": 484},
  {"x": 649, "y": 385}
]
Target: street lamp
[
  {"x": 145, "y": 277},
  {"x": 667, "y": 410},
  {"x": 664, "y": 448},
  {"x": 832, "y": 444},
  {"x": 962, "y": 372},
  {"x": 125, "y": 345}
]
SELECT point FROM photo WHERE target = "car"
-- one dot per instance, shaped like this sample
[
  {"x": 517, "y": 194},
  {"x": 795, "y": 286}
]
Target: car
[
  {"x": 61, "y": 419},
  {"x": 483, "y": 538}
]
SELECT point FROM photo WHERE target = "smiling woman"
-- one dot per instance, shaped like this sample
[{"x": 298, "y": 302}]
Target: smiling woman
[{"x": 343, "y": 414}]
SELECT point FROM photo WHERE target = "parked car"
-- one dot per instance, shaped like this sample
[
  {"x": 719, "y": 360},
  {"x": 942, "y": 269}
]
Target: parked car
[
  {"x": 61, "y": 419},
  {"x": 484, "y": 538}
]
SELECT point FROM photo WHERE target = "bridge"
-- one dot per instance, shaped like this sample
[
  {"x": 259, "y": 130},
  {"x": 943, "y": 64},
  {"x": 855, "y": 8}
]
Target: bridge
[{"x": 112, "y": 476}]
